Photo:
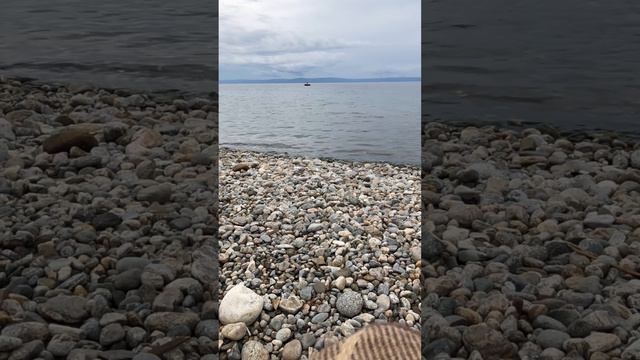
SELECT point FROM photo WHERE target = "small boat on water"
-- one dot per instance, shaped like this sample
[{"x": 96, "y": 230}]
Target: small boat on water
[{"x": 307, "y": 84}]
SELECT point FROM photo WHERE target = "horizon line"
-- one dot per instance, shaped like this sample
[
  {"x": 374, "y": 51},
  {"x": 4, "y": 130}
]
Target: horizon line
[{"x": 322, "y": 79}]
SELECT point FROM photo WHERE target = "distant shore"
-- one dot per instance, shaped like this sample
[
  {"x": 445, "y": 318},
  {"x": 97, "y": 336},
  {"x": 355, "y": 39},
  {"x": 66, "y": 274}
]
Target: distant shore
[{"x": 531, "y": 243}]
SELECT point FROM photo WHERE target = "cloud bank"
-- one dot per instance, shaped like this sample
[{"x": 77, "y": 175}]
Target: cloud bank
[{"x": 262, "y": 39}]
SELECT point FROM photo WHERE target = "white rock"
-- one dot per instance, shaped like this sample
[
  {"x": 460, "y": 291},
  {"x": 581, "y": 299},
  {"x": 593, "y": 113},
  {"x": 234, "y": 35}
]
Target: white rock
[{"x": 240, "y": 304}]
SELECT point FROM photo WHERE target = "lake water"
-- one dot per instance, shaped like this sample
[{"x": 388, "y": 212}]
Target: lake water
[
  {"x": 350, "y": 121},
  {"x": 571, "y": 63},
  {"x": 147, "y": 45}
]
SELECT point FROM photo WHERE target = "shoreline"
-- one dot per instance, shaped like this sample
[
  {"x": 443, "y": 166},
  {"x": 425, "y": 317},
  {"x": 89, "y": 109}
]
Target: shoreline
[
  {"x": 545, "y": 128},
  {"x": 162, "y": 96},
  {"x": 108, "y": 230},
  {"x": 322, "y": 248},
  {"x": 531, "y": 243},
  {"x": 312, "y": 157}
]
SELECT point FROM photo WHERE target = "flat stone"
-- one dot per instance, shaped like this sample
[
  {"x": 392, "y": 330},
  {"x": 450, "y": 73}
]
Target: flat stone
[
  {"x": 65, "y": 309},
  {"x": 28, "y": 350},
  {"x": 147, "y": 138},
  {"x": 86, "y": 161},
  {"x": 547, "y": 322},
  {"x": 156, "y": 193},
  {"x": 8, "y": 343},
  {"x": 551, "y": 338},
  {"x": 106, "y": 220},
  {"x": 128, "y": 263},
  {"x": 589, "y": 284},
  {"x": 320, "y": 317},
  {"x": 491, "y": 344},
  {"x": 163, "y": 321},
  {"x": 602, "y": 342},
  {"x": 291, "y": 305},
  {"x": 69, "y": 331},
  {"x": 306, "y": 293},
  {"x": 66, "y": 139},
  {"x": 81, "y": 99},
  {"x": 243, "y": 166},
  {"x": 314, "y": 227},
  {"x": 599, "y": 320},
  {"x": 595, "y": 220}
]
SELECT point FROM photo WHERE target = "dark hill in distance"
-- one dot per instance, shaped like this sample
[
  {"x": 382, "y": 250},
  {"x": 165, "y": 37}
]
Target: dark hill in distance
[{"x": 319, "y": 80}]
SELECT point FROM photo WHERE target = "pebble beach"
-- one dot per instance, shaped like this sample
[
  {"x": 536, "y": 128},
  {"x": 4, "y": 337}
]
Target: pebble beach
[
  {"x": 530, "y": 244},
  {"x": 312, "y": 250},
  {"x": 107, "y": 224}
]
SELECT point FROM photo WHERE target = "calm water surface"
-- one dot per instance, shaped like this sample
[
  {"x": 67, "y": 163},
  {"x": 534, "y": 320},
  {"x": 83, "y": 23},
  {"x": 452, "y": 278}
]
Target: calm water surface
[
  {"x": 350, "y": 121},
  {"x": 146, "y": 45},
  {"x": 571, "y": 63}
]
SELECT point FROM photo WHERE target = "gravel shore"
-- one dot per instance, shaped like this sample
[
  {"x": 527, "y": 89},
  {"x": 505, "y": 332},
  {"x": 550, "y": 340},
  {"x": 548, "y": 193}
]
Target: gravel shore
[
  {"x": 313, "y": 250},
  {"x": 107, "y": 224},
  {"x": 531, "y": 244}
]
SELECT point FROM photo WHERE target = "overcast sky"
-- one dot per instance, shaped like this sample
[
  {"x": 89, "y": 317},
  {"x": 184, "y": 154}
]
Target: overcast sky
[{"x": 266, "y": 39}]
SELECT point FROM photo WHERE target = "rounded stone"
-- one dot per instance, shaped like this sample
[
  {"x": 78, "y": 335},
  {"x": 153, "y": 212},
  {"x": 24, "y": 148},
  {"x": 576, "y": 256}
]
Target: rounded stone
[
  {"x": 292, "y": 350},
  {"x": 234, "y": 331},
  {"x": 111, "y": 334},
  {"x": 254, "y": 350},
  {"x": 240, "y": 304},
  {"x": 349, "y": 304}
]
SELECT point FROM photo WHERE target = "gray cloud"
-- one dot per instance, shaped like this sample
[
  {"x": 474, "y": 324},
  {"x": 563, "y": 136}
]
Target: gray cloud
[{"x": 280, "y": 38}]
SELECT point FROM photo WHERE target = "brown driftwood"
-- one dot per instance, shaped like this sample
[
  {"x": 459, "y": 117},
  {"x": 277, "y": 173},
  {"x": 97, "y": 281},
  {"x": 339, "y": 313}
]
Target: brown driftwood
[{"x": 592, "y": 256}]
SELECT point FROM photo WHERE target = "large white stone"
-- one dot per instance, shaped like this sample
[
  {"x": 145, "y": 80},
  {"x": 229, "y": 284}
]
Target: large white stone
[{"x": 240, "y": 304}]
